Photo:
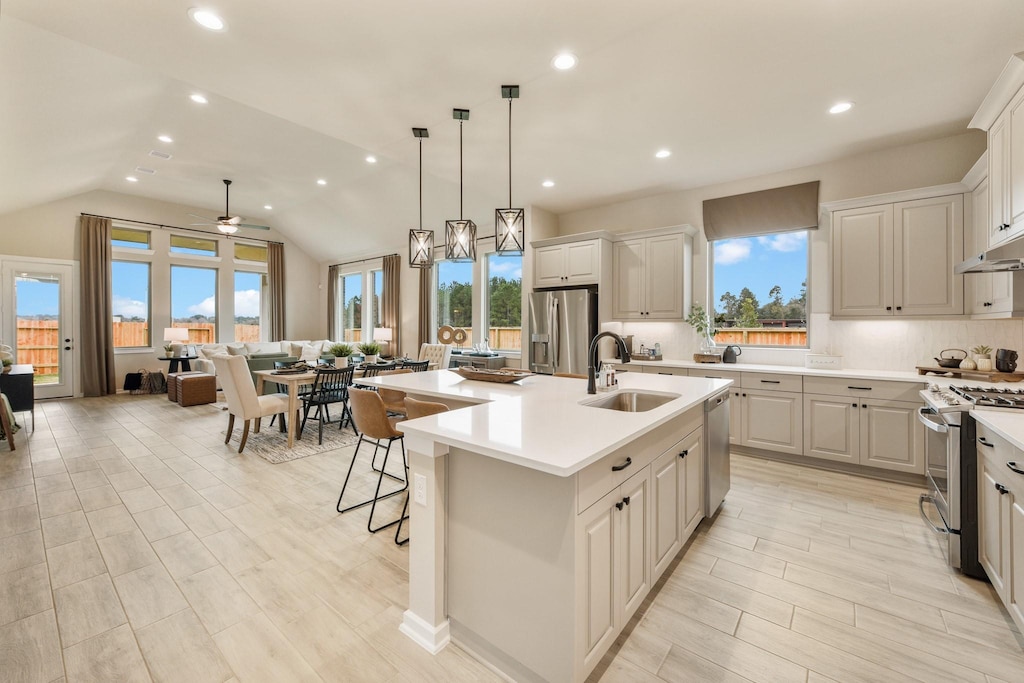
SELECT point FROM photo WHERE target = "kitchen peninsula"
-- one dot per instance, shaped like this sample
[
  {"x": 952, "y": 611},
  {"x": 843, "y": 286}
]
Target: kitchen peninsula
[{"x": 539, "y": 522}]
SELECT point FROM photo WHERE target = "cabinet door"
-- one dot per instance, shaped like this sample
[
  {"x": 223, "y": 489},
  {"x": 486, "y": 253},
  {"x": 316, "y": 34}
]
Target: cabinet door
[
  {"x": 634, "y": 550},
  {"x": 1015, "y": 179},
  {"x": 980, "y": 284},
  {"x": 598, "y": 533},
  {"x": 1017, "y": 563},
  {"x": 891, "y": 436},
  {"x": 692, "y": 473},
  {"x": 582, "y": 263},
  {"x": 929, "y": 243},
  {"x": 998, "y": 177},
  {"x": 549, "y": 266},
  {"x": 664, "y": 277},
  {"x": 832, "y": 428},
  {"x": 993, "y": 521},
  {"x": 862, "y": 261},
  {"x": 667, "y": 478},
  {"x": 628, "y": 280},
  {"x": 773, "y": 420}
]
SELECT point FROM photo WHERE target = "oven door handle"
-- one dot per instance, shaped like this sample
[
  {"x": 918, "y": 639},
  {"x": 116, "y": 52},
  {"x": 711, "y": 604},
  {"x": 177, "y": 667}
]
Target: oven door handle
[
  {"x": 925, "y": 498},
  {"x": 924, "y": 415}
]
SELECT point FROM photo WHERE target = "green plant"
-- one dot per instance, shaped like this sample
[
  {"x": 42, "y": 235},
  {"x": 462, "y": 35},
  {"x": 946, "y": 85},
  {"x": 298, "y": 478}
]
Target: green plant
[
  {"x": 7, "y": 362},
  {"x": 370, "y": 348},
  {"x": 340, "y": 350},
  {"x": 698, "y": 319},
  {"x": 981, "y": 350}
]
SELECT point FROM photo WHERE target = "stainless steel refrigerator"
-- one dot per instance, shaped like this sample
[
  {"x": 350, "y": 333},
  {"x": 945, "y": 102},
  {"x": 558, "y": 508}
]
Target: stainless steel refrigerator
[{"x": 562, "y": 323}]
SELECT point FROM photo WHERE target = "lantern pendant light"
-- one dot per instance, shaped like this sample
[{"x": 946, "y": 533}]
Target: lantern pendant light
[
  {"x": 509, "y": 224},
  {"x": 421, "y": 242},
  {"x": 460, "y": 235}
]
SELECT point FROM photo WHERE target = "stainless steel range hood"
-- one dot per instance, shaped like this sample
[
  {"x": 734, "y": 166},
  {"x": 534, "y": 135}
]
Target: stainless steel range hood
[{"x": 1005, "y": 257}]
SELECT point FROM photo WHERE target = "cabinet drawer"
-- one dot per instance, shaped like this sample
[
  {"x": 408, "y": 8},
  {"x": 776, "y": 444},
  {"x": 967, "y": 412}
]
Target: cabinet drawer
[
  {"x": 861, "y": 388},
  {"x": 772, "y": 382},
  {"x": 715, "y": 373},
  {"x": 595, "y": 481},
  {"x": 664, "y": 370}
]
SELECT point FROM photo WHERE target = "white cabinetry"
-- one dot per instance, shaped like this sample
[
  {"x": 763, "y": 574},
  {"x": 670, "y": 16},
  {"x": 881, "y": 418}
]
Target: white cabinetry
[
  {"x": 999, "y": 229},
  {"x": 573, "y": 263},
  {"x": 897, "y": 259},
  {"x": 677, "y": 493},
  {"x": 647, "y": 278}
]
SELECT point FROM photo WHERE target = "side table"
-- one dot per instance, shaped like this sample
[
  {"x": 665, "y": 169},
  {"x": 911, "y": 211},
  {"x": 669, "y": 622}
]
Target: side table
[
  {"x": 19, "y": 386},
  {"x": 175, "y": 360}
]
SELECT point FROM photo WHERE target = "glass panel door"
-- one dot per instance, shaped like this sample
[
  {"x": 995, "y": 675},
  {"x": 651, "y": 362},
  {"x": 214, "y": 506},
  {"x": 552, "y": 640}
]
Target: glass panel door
[{"x": 38, "y": 323}]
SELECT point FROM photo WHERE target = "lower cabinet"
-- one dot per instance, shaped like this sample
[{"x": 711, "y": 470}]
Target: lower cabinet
[
  {"x": 995, "y": 502},
  {"x": 862, "y": 431},
  {"x": 677, "y": 493},
  {"x": 1016, "y": 601},
  {"x": 772, "y": 420}
]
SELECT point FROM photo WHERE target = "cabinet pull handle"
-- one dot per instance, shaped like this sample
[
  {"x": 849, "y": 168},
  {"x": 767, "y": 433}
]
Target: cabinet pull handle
[
  {"x": 664, "y": 373},
  {"x": 626, "y": 500},
  {"x": 1015, "y": 467},
  {"x": 770, "y": 381},
  {"x": 854, "y": 405},
  {"x": 861, "y": 388},
  {"x": 899, "y": 308},
  {"x": 618, "y": 506},
  {"x": 863, "y": 405},
  {"x": 888, "y": 308},
  {"x": 982, "y": 441},
  {"x": 1002, "y": 489},
  {"x": 683, "y": 454},
  {"x": 619, "y": 468}
]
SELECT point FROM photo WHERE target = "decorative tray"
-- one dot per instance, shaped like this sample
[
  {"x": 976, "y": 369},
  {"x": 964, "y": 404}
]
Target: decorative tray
[{"x": 503, "y": 376}]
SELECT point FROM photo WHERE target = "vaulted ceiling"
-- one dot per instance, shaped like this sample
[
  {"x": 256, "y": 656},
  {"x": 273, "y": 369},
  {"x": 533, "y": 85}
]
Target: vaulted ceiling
[{"x": 305, "y": 90}]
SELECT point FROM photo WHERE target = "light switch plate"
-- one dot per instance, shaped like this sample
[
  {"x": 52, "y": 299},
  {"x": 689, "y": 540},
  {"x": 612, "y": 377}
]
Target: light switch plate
[
  {"x": 822, "y": 361},
  {"x": 420, "y": 489}
]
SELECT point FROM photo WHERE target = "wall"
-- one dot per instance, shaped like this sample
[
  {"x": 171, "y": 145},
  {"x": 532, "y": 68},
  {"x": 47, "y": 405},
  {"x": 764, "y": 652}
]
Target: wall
[
  {"x": 880, "y": 344},
  {"x": 50, "y": 231}
]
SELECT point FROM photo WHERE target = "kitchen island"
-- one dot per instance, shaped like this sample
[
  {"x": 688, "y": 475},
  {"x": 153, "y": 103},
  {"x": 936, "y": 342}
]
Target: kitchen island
[{"x": 539, "y": 522}]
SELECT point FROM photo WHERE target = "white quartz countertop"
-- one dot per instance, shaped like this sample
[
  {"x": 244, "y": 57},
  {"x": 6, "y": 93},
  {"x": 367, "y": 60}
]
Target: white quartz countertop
[
  {"x": 1009, "y": 425},
  {"x": 541, "y": 422}
]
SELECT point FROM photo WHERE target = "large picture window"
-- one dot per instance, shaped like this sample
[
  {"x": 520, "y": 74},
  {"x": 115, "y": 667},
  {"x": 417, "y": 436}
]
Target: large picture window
[
  {"x": 194, "y": 302},
  {"x": 504, "y": 302},
  {"x": 248, "y": 300},
  {"x": 130, "y": 285},
  {"x": 759, "y": 292},
  {"x": 454, "y": 294},
  {"x": 352, "y": 307}
]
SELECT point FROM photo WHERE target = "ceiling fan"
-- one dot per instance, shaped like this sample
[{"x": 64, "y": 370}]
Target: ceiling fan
[{"x": 227, "y": 223}]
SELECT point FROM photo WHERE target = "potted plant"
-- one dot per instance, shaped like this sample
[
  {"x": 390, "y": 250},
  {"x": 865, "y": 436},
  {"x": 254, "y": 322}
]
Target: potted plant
[
  {"x": 7, "y": 365},
  {"x": 370, "y": 350},
  {"x": 167, "y": 349},
  {"x": 341, "y": 352},
  {"x": 699, "y": 321},
  {"x": 983, "y": 357}
]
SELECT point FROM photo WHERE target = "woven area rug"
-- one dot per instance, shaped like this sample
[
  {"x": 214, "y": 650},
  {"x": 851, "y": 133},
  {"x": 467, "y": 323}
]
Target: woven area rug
[{"x": 271, "y": 445}]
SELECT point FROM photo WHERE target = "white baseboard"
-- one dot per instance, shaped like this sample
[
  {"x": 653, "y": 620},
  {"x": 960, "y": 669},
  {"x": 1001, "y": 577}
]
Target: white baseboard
[{"x": 430, "y": 638}]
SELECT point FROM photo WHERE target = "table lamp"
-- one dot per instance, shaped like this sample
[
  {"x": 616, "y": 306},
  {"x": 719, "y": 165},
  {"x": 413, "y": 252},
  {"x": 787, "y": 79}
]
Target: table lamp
[
  {"x": 383, "y": 334},
  {"x": 174, "y": 334}
]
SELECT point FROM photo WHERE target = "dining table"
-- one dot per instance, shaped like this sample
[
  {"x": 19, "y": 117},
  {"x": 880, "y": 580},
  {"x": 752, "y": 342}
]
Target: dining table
[{"x": 291, "y": 381}]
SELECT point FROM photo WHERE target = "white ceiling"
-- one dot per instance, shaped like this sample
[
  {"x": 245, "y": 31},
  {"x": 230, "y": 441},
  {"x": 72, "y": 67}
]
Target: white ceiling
[{"x": 303, "y": 89}]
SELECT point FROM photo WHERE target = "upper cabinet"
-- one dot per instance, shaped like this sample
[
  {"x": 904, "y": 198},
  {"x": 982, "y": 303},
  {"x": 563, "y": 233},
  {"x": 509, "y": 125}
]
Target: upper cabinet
[
  {"x": 572, "y": 263},
  {"x": 648, "y": 280},
  {"x": 897, "y": 259}
]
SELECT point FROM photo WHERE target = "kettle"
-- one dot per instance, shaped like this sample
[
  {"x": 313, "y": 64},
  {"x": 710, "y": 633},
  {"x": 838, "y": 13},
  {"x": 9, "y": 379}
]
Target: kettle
[{"x": 730, "y": 352}]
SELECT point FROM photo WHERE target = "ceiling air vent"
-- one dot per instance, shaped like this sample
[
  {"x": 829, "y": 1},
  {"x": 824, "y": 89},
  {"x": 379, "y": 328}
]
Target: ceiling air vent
[
  {"x": 158, "y": 154},
  {"x": 143, "y": 169}
]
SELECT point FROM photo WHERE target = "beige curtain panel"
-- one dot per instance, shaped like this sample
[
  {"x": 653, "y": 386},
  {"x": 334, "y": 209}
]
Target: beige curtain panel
[
  {"x": 275, "y": 287},
  {"x": 96, "y": 339},
  {"x": 761, "y": 213},
  {"x": 426, "y": 293},
  {"x": 332, "y": 302},
  {"x": 391, "y": 311}
]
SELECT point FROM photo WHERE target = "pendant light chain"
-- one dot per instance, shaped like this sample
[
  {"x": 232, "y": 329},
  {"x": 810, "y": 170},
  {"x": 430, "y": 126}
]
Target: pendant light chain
[
  {"x": 510, "y": 152},
  {"x": 460, "y": 169},
  {"x": 421, "y": 183}
]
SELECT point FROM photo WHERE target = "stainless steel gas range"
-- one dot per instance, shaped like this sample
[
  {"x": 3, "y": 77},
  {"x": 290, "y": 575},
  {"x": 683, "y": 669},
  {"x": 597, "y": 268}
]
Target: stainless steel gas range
[{"x": 951, "y": 457}]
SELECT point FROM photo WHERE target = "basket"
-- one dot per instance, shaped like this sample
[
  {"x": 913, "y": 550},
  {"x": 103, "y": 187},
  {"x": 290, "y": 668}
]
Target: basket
[
  {"x": 707, "y": 357},
  {"x": 503, "y": 376}
]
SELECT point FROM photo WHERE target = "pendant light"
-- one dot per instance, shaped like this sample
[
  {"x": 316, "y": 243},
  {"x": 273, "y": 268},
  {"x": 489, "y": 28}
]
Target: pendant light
[
  {"x": 509, "y": 224},
  {"x": 460, "y": 235},
  {"x": 421, "y": 242}
]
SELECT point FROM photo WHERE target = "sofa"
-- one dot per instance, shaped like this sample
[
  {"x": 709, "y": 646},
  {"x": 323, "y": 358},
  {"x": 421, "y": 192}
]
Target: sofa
[{"x": 309, "y": 351}]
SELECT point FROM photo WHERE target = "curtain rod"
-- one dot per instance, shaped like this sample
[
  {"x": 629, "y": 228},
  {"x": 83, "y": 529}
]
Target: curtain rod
[
  {"x": 175, "y": 227},
  {"x": 362, "y": 260}
]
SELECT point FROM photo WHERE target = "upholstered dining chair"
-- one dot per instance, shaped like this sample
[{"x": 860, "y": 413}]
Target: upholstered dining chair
[
  {"x": 6, "y": 421},
  {"x": 373, "y": 424},
  {"x": 243, "y": 401},
  {"x": 439, "y": 355},
  {"x": 414, "y": 409}
]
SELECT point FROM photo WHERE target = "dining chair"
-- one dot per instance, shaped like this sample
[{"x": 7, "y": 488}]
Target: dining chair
[
  {"x": 374, "y": 426},
  {"x": 330, "y": 386},
  {"x": 438, "y": 355},
  {"x": 7, "y": 421},
  {"x": 243, "y": 401},
  {"x": 374, "y": 369},
  {"x": 415, "y": 409},
  {"x": 414, "y": 365}
]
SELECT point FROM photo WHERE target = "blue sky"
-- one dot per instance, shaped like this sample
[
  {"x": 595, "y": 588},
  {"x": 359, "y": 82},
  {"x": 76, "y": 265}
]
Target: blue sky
[
  {"x": 760, "y": 263},
  {"x": 37, "y": 298},
  {"x": 193, "y": 291},
  {"x": 509, "y": 267}
]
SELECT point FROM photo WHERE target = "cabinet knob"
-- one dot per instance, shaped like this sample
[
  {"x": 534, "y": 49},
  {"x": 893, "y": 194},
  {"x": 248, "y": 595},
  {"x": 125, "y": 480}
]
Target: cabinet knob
[
  {"x": 863, "y": 405},
  {"x": 626, "y": 500},
  {"x": 744, "y": 395},
  {"x": 854, "y": 405},
  {"x": 1002, "y": 489},
  {"x": 899, "y": 308},
  {"x": 67, "y": 348},
  {"x": 618, "y": 506},
  {"x": 888, "y": 308},
  {"x": 683, "y": 454}
]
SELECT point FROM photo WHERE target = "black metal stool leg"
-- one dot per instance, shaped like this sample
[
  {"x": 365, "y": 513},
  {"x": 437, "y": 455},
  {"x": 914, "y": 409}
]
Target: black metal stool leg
[
  {"x": 377, "y": 496},
  {"x": 398, "y": 529}
]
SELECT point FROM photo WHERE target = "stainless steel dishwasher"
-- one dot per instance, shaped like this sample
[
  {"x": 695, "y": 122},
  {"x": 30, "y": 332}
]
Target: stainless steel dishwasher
[{"x": 716, "y": 448}]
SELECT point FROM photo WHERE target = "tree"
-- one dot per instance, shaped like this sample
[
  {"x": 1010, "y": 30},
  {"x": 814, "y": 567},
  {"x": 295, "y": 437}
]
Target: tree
[
  {"x": 455, "y": 304},
  {"x": 774, "y": 309},
  {"x": 748, "y": 313},
  {"x": 506, "y": 302},
  {"x": 796, "y": 308},
  {"x": 745, "y": 293},
  {"x": 730, "y": 306}
]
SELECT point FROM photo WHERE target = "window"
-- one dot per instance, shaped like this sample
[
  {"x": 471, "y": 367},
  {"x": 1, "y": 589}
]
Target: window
[
  {"x": 759, "y": 291},
  {"x": 352, "y": 307},
  {"x": 130, "y": 303},
  {"x": 248, "y": 297},
  {"x": 129, "y": 238},
  {"x": 250, "y": 252},
  {"x": 454, "y": 302},
  {"x": 504, "y": 302},
  {"x": 194, "y": 302},
  {"x": 376, "y": 304},
  {"x": 197, "y": 246}
]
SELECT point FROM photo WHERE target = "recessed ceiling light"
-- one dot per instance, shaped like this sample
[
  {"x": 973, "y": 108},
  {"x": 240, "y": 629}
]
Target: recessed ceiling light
[
  {"x": 840, "y": 107},
  {"x": 268, "y": 207},
  {"x": 131, "y": 179},
  {"x": 663, "y": 154},
  {"x": 321, "y": 182},
  {"x": 165, "y": 138},
  {"x": 565, "y": 61},
  {"x": 207, "y": 19},
  {"x": 371, "y": 159},
  {"x": 198, "y": 99},
  {"x": 548, "y": 183}
]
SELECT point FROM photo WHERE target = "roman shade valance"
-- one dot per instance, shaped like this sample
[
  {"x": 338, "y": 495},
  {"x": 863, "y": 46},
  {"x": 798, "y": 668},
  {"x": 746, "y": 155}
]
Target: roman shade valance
[{"x": 761, "y": 213}]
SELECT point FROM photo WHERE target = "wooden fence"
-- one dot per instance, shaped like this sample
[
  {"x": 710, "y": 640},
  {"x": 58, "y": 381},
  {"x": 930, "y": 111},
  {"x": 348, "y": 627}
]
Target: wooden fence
[{"x": 766, "y": 336}]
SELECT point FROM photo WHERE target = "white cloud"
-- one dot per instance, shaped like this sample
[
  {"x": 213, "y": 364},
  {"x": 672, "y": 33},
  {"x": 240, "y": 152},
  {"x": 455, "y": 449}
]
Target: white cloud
[
  {"x": 728, "y": 252},
  {"x": 247, "y": 303},
  {"x": 128, "y": 308},
  {"x": 207, "y": 307},
  {"x": 512, "y": 268},
  {"x": 791, "y": 241}
]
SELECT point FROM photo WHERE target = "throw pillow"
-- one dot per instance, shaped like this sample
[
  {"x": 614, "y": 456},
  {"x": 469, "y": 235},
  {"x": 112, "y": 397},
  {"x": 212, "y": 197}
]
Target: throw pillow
[
  {"x": 237, "y": 351},
  {"x": 310, "y": 353},
  {"x": 210, "y": 350}
]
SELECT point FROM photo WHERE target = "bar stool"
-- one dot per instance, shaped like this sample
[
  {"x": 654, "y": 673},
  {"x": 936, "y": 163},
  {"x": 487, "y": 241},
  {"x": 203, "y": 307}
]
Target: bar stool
[
  {"x": 371, "y": 421},
  {"x": 414, "y": 409}
]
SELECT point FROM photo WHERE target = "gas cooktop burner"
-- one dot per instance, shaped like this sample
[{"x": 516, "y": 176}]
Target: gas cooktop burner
[{"x": 991, "y": 396}]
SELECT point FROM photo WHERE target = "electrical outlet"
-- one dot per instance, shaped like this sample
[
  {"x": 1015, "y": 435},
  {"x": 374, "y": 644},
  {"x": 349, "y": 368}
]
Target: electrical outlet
[
  {"x": 823, "y": 361},
  {"x": 420, "y": 489}
]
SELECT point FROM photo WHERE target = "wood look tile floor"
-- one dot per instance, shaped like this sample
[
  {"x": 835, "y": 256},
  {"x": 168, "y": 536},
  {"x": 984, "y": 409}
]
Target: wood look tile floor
[{"x": 135, "y": 545}]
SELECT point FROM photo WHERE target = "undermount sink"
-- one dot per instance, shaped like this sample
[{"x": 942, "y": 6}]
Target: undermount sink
[{"x": 632, "y": 401}]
